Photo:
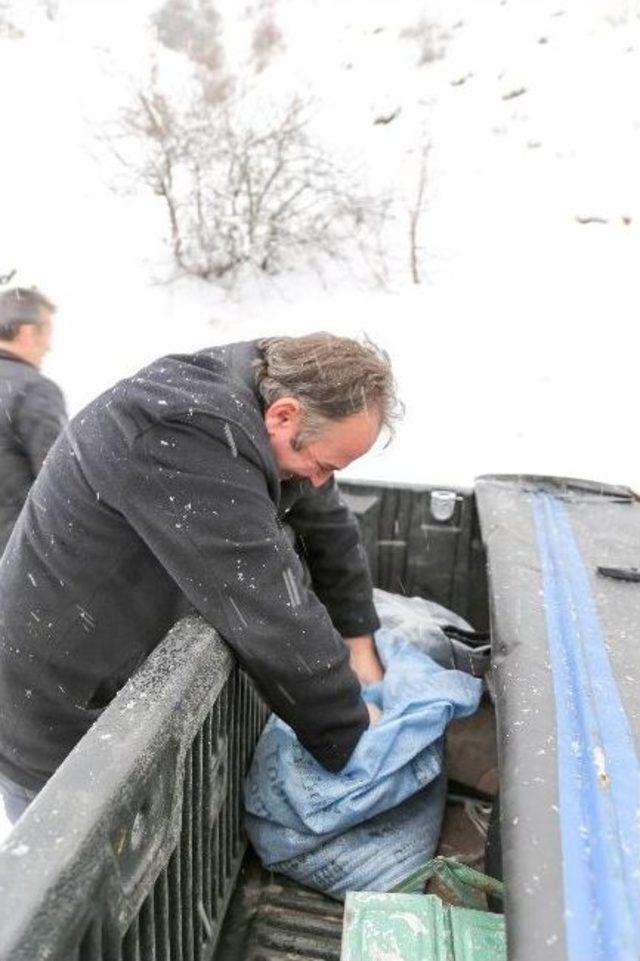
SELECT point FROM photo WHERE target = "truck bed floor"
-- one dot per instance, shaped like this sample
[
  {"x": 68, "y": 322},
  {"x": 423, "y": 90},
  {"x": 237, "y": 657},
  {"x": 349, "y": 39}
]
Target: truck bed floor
[{"x": 273, "y": 919}]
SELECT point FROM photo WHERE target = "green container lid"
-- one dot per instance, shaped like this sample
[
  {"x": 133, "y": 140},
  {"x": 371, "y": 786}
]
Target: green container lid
[
  {"x": 478, "y": 935},
  {"x": 416, "y": 927}
]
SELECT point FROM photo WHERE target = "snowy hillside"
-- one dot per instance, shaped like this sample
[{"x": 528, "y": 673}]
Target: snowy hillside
[{"x": 515, "y": 353}]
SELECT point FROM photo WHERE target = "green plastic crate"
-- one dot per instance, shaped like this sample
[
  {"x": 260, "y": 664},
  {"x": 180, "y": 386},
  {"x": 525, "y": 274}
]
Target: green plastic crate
[{"x": 417, "y": 927}]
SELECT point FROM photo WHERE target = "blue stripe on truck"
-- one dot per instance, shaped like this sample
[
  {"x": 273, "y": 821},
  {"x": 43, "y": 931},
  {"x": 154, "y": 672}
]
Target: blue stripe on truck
[{"x": 598, "y": 770}]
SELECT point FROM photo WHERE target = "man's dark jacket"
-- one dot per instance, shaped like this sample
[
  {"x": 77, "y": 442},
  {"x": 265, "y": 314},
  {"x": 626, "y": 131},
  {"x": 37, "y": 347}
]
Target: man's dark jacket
[
  {"x": 32, "y": 414},
  {"x": 166, "y": 487}
]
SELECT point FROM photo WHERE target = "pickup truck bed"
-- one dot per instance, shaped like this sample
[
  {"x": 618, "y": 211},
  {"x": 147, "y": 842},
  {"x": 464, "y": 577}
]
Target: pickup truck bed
[{"x": 134, "y": 850}]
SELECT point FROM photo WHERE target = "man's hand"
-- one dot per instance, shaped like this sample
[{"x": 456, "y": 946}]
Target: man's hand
[
  {"x": 364, "y": 659},
  {"x": 375, "y": 714}
]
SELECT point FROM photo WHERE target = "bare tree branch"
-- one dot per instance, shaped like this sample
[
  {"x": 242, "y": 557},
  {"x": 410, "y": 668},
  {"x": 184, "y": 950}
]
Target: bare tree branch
[{"x": 416, "y": 211}]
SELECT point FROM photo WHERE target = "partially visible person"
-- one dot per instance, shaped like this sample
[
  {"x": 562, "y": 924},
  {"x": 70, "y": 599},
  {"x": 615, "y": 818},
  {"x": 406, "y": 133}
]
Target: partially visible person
[{"x": 32, "y": 409}]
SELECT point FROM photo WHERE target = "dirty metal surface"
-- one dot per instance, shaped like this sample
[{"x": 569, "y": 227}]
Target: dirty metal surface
[{"x": 272, "y": 919}]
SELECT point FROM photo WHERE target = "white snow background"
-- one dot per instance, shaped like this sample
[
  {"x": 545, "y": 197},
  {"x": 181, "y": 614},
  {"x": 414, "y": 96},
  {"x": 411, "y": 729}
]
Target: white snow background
[{"x": 517, "y": 352}]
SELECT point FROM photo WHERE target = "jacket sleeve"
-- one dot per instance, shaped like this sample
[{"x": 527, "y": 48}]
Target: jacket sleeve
[
  {"x": 197, "y": 494},
  {"x": 336, "y": 557},
  {"x": 40, "y": 417}
]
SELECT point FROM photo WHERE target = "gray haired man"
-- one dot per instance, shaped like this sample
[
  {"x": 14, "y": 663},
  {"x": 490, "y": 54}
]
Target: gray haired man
[
  {"x": 32, "y": 410},
  {"x": 186, "y": 480}
]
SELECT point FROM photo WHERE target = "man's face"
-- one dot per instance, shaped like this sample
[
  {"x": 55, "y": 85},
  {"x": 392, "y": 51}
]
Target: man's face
[{"x": 338, "y": 445}]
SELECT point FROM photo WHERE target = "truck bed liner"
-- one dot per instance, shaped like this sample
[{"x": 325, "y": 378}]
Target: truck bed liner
[{"x": 273, "y": 919}]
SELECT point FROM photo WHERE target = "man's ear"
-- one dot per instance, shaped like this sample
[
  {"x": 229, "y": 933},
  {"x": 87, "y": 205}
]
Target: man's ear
[{"x": 283, "y": 416}]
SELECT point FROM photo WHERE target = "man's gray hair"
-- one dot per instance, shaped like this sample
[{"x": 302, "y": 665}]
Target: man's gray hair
[
  {"x": 21, "y": 305},
  {"x": 333, "y": 377}
]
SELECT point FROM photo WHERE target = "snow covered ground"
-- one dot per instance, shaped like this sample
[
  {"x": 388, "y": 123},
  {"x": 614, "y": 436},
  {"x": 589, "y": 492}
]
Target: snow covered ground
[{"x": 517, "y": 352}]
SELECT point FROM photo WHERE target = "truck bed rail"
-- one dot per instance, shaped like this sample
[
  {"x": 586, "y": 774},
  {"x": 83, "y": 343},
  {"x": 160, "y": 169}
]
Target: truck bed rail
[{"x": 131, "y": 851}]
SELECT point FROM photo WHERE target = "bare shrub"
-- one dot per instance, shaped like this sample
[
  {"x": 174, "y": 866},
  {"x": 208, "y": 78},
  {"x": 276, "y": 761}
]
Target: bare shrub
[
  {"x": 194, "y": 29},
  {"x": 267, "y": 42},
  {"x": 51, "y": 8},
  {"x": 430, "y": 40},
  {"x": 8, "y": 29},
  {"x": 12, "y": 12},
  {"x": 191, "y": 27},
  {"x": 243, "y": 183}
]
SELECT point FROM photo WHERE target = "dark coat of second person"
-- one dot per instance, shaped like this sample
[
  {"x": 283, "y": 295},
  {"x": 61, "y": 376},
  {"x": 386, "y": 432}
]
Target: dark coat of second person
[{"x": 32, "y": 414}]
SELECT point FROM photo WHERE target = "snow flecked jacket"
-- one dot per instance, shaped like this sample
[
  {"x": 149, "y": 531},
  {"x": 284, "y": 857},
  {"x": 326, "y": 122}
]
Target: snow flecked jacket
[
  {"x": 32, "y": 414},
  {"x": 166, "y": 487}
]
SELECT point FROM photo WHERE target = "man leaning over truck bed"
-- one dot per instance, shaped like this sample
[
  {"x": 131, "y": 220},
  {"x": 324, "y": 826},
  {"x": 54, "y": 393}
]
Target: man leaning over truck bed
[{"x": 180, "y": 482}]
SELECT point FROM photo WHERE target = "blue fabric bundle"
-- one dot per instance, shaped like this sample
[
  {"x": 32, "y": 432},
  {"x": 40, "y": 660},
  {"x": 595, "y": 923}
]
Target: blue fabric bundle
[{"x": 379, "y": 819}]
